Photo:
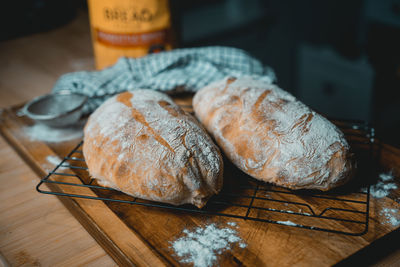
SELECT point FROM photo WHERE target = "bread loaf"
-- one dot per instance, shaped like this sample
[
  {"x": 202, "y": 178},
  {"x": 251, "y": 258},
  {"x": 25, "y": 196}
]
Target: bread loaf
[
  {"x": 273, "y": 137},
  {"x": 143, "y": 144}
]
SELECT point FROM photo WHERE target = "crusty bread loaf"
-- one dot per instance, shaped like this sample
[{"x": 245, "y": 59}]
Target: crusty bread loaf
[
  {"x": 143, "y": 144},
  {"x": 273, "y": 137}
]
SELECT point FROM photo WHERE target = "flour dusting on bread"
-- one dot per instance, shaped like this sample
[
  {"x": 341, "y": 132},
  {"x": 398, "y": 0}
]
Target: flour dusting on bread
[
  {"x": 143, "y": 144},
  {"x": 272, "y": 136}
]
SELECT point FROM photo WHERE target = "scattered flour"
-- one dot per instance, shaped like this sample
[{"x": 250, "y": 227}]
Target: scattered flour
[
  {"x": 202, "y": 246},
  {"x": 300, "y": 211},
  {"x": 290, "y": 223},
  {"x": 382, "y": 189},
  {"x": 392, "y": 216},
  {"x": 242, "y": 245},
  {"x": 386, "y": 177},
  {"x": 45, "y": 133},
  {"x": 383, "y": 186},
  {"x": 54, "y": 160}
]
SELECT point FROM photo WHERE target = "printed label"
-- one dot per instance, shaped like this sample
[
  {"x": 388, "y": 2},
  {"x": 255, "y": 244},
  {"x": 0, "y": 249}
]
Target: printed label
[
  {"x": 133, "y": 39},
  {"x": 129, "y": 28}
]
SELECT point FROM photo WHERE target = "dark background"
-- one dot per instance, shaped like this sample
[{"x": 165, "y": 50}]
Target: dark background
[{"x": 342, "y": 58}]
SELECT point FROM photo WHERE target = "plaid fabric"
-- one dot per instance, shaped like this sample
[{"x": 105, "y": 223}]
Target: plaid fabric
[{"x": 186, "y": 70}]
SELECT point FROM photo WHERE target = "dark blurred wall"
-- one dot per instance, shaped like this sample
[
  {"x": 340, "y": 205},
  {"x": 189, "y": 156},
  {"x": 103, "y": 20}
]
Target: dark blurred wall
[
  {"x": 22, "y": 17},
  {"x": 340, "y": 57}
]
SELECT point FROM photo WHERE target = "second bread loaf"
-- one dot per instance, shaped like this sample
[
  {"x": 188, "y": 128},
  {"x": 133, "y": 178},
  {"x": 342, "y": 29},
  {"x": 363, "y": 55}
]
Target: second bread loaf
[{"x": 272, "y": 136}]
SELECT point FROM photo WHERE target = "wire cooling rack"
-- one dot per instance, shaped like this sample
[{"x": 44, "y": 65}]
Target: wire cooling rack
[{"x": 342, "y": 211}]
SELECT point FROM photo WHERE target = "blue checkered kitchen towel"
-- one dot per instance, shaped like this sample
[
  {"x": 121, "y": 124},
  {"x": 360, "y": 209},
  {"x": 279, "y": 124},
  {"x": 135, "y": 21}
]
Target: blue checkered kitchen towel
[{"x": 179, "y": 70}]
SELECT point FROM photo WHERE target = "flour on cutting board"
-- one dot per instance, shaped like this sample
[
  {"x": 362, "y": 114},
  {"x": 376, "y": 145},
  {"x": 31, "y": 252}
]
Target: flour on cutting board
[
  {"x": 233, "y": 224},
  {"x": 41, "y": 132},
  {"x": 202, "y": 245},
  {"x": 52, "y": 162},
  {"x": 382, "y": 189},
  {"x": 289, "y": 223},
  {"x": 55, "y": 161},
  {"x": 383, "y": 186},
  {"x": 392, "y": 216}
]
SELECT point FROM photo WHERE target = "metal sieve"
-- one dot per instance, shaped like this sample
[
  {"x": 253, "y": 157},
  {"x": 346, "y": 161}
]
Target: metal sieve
[{"x": 57, "y": 109}]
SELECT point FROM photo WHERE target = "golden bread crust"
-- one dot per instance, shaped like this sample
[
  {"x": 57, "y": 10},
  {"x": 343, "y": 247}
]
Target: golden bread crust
[
  {"x": 143, "y": 144},
  {"x": 272, "y": 136}
]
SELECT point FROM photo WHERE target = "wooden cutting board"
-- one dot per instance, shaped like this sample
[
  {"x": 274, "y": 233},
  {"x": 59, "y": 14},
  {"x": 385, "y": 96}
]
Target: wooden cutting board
[{"x": 140, "y": 235}]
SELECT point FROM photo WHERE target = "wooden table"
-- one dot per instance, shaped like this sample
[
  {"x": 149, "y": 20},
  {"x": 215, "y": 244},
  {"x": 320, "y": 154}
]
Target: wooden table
[{"x": 35, "y": 229}]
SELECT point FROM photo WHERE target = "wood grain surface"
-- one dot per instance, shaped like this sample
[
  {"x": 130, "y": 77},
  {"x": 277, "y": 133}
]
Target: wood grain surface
[
  {"x": 142, "y": 236},
  {"x": 37, "y": 230}
]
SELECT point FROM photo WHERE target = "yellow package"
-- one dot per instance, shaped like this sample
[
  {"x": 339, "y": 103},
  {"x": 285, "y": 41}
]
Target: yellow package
[{"x": 130, "y": 28}]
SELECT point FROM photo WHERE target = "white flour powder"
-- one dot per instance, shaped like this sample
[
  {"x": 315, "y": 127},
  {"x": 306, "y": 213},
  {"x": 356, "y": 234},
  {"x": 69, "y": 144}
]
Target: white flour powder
[
  {"x": 42, "y": 132},
  {"x": 233, "y": 224},
  {"x": 289, "y": 223},
  {"x": 202, "y": 246},
  {"x": 392, "y": 216},
  {"x": 382, "y": 189},
  {"x": 383, "y": 186},
  {"x": 54, "y": 160}
]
